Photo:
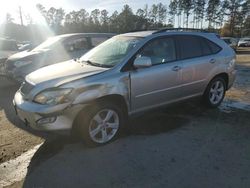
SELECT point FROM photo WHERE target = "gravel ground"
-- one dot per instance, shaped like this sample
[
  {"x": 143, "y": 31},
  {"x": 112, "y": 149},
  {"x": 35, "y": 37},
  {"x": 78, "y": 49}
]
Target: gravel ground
[{"x": 181, "y": 146}]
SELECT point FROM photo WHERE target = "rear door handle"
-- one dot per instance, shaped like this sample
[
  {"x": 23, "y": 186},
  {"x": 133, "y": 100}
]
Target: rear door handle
[
  {"x": 176, "y": 68},
  {"x": 212, "y": 61}
]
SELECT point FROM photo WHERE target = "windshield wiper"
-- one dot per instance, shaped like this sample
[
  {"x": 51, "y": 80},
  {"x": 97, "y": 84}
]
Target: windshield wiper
[
  {"x": 77, "y": 60},
  {"x": 96, "y": 64}
]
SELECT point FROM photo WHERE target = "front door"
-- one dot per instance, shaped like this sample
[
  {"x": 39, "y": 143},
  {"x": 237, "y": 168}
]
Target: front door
[{"x": 161, "y": 83}]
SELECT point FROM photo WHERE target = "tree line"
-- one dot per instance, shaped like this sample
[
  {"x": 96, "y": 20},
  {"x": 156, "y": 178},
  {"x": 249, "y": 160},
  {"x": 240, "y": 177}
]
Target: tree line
[{"x": 230, "y": 17}]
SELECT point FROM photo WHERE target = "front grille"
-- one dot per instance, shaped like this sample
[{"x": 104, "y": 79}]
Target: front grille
[{"x": 25, "y": 89}]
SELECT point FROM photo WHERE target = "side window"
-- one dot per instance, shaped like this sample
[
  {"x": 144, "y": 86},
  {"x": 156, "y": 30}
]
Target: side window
[
  {"x": 205, "y": 47},
  {"x": 76, "y": 44},
  {"x": 97, "y": 40},
  {"x": 214, "y": 48},
  {"x": 160, "y": 51},
  {"x": 189, "y": 46}
]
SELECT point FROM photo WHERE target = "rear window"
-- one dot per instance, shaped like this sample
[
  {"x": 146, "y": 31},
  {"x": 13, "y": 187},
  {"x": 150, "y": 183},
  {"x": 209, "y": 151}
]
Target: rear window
[
  {"x": 195, "y": 46},
  {"x": 205, "y": 47},
  {"x": 190, "y": 47},
  {"x": 214, "y": 47}
]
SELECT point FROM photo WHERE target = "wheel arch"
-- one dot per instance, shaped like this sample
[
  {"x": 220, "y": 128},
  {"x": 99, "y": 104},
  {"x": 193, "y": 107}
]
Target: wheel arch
[
  {"x": 116, "y": 99},
  {"x": 223, "y": 75}
]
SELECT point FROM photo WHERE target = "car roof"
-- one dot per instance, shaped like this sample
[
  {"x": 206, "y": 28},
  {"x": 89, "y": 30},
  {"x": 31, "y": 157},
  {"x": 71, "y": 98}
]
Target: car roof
[
  {"x": 85, "y": 34},
  {"x": 227, "y": 38},
  {"x": 7, "y": 40},
  {"x": 138, "y": 34},
  {"x": 144, "y": 34}
]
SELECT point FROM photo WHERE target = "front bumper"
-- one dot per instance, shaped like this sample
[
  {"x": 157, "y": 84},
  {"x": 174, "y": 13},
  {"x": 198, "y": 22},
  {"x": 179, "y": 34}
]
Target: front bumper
[{"x": 31, "y": 113}]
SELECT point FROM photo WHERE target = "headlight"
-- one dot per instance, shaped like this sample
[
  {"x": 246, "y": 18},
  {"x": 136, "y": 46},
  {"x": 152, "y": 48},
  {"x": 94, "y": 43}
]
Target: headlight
[
  {"x": 53, "y": 96},
  {"x": 21, "y": 63}
]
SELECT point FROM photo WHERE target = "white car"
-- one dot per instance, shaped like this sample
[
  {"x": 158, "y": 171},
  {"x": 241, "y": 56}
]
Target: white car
[{"x": 244, "y": 42}]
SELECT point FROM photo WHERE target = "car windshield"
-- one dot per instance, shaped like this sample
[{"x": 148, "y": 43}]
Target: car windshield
[
  {"x": 111, "y": 52},
  {"x": 47, "y": 44}
]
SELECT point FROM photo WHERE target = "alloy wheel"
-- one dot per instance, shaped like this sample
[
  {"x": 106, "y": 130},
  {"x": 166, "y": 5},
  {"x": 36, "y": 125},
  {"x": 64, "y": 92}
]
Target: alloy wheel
[
  {"x": 104, "y": 126},
  {"x": 216, "y": 92}
]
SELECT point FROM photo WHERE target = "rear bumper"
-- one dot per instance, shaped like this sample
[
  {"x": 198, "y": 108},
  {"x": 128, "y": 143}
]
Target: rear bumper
[
  {"x": 231, "y": 78},
  {"x": 61, "y": 116}
]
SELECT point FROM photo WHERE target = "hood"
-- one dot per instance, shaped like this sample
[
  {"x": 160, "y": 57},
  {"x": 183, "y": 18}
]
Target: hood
[
  {"x": 63, "y": 72},
  {"x": 6, "y": 54},
  {"x": 25, "y": 55}
]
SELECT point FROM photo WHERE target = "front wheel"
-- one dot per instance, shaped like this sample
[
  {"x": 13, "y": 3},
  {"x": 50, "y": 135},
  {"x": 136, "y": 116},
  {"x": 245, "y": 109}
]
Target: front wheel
[
  {"x": 215, "y": 92},
  {"x": 102, "y": 124}
]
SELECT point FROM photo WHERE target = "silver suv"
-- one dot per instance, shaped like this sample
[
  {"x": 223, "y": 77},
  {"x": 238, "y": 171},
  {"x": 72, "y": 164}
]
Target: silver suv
[{"x": 127, "y": 74}]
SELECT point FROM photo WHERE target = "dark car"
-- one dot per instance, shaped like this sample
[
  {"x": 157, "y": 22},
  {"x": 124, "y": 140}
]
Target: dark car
[
  {"x": 232, "y": 42},
  {"x": 7, "y": 48},
  {"x": 244, "y": 42},
  {"x": 53, "y": 50}
]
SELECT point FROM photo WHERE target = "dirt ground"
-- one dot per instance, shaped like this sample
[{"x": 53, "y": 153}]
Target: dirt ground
[
  {"x": 176, "y": 146},
  {"x": 14, "y": 139}
]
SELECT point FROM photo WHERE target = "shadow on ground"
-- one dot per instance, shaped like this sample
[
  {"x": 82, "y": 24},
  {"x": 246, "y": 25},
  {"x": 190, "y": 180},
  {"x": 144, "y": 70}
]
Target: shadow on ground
[
  {"x": 156, "y": 122},
  {"x": 195, "y": 147},
  {"x": 7, "y": 92}
]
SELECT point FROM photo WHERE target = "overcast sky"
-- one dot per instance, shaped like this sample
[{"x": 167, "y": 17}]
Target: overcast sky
[{"x": 28, "y": 6}]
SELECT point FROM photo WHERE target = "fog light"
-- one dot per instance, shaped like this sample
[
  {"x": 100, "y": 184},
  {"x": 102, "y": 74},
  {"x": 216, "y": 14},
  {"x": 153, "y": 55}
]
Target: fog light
[{"x": 46, "y": 120}]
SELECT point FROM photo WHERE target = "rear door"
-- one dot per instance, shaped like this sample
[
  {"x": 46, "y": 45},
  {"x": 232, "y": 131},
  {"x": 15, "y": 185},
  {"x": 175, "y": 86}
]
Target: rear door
[
  {"x": 160, "y": 83},
  {"x": 198, "y": 59}
]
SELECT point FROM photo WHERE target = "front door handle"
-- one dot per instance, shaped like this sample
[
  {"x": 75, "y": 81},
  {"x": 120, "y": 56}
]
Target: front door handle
[
  {"x": 212, "y": 61},
  {"x": 176, "y": 68}
]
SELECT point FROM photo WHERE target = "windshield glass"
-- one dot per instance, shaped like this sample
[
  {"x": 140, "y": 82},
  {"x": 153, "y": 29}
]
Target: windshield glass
[
  {"x": 111, "y": 52},
  {"x": 47, "y": 44}
]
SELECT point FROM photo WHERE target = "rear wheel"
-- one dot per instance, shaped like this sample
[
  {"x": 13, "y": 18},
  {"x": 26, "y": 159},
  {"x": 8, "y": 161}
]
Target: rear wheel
[
  {"x": 215, "y": 92},
  {"x": 102, "y": 124}
]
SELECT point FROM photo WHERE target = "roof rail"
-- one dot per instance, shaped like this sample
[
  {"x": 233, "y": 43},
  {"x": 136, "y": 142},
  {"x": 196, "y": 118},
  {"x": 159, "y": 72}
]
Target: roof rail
[{"x": 181, "y": 29}]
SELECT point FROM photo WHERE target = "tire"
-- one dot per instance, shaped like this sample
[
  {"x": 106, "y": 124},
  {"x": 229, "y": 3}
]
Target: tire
[
  {"x": 215, "y": 92},
  {"x": 103, "y": 119}
]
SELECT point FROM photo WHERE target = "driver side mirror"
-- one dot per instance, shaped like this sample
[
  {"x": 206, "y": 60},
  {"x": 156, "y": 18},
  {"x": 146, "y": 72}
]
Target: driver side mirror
[{"x": 142, "y": 62}]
